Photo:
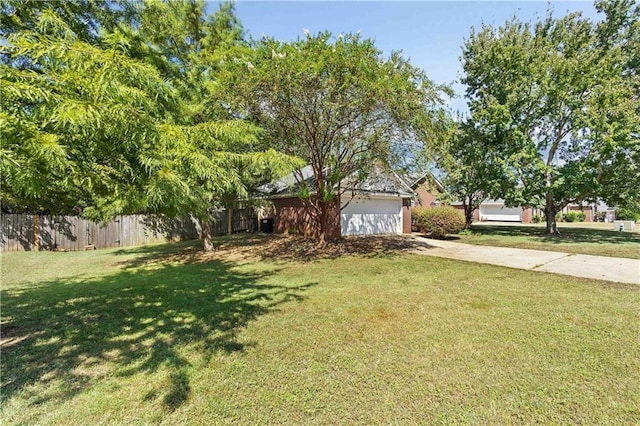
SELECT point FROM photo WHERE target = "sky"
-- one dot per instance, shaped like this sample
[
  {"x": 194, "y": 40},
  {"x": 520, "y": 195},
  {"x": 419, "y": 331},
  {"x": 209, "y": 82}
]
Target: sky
[{"x": 429, "y": 33}]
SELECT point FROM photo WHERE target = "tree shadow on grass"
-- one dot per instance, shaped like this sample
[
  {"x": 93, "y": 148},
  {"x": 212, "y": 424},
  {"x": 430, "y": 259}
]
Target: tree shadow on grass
[
  {"x": 73, "y": 332},
  {"x": 567, "y": 235},
  {"x": 297, "y": 248}
]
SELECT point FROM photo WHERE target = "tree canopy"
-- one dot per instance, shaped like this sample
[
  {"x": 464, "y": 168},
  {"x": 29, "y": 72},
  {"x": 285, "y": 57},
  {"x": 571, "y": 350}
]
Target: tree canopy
[
  {"x": 557, "y": 101},
  {"x": 105, "y": 121},
  {"x": 336, "y": 103},
  {"x": 470, "y": 172}
]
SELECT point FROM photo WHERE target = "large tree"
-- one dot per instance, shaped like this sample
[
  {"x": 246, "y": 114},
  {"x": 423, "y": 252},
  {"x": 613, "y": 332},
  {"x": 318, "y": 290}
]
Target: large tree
[
  {"x": 336, "y": 103},
  {"x": 470, "y": 172},
  {"x": 558, "y": 101},
  {"x": 188, "y": 47},
  {"x": 97, "y": 127}
]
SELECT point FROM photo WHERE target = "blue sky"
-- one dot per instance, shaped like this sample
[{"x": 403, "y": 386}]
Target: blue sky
[{"x": 429, "y": 33}]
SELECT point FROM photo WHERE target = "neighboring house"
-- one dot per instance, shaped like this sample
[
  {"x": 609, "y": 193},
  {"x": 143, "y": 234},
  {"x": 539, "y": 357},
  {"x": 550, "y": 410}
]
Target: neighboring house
[
  {"x": 379, "y": 205},
  {"x": 495, "y": 210},
  {"x": 585, "y": 208},
  {"x": 603, "y": 212},
  {"x": 428, "y": 189}
]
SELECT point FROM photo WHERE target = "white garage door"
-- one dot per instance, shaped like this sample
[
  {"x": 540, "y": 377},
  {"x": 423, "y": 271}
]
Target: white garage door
[
  {"x": 500, "y": 213},
  {"x": 369, "y": 216}
]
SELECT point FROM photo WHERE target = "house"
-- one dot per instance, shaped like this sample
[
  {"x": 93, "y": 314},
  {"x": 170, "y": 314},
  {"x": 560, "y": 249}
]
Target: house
[
  {"x": 495, "y": 210},
  {"x": 378, "y": 205},
  {"x": 427, "y": 188}
]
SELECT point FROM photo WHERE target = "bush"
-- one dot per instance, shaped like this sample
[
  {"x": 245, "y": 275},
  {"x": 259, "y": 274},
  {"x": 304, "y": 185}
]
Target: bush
[
  {"x": 536, "y": 219},
  {"x": 626, "y": 214},
  {"x": 574, "y": 216},
  {"x": 439, "y": 221}
]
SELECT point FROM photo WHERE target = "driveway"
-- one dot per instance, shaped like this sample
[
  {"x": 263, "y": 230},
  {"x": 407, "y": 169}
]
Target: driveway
[{"x": 577, "y": 265}]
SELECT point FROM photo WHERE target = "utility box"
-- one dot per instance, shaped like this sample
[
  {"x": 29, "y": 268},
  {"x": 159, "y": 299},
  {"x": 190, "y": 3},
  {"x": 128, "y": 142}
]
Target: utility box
[{"x": 624, "y": 225}]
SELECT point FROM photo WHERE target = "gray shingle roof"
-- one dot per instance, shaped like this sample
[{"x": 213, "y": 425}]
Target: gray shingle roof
[{"x": 380, "y": 181}]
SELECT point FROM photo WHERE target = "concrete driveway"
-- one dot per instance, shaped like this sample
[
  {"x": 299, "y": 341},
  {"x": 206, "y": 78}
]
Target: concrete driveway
[{"x": 577, "y": 265}]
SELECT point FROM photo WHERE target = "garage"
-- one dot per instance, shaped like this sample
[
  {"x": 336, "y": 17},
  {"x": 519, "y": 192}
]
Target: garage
[
  {"x": 380, "y": 205},
  {"x": 371, "y": 215},
  {"x": 498, "y": 212}
]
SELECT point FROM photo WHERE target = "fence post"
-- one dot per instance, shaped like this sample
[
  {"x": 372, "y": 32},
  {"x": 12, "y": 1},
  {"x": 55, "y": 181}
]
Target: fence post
[
  {"x": 36, "y": 232},
  {"x": 229, "y": 221}
]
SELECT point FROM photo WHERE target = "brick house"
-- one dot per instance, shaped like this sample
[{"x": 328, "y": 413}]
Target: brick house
[{"x": 378, "y": 205}]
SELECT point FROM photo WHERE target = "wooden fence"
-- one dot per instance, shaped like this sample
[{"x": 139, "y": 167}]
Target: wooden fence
[{"x": 33, "y": 232}]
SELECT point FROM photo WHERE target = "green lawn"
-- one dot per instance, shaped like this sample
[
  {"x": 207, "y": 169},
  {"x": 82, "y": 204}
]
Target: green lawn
[
  {"x": 165, "y": 334},
  {"x": 594, "y": 239}
]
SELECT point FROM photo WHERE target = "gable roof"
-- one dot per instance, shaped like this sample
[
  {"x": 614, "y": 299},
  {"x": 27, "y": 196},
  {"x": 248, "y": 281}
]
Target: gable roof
[
  {"x": 380, "y": 182},
  {"x": 416, "y": 180}
]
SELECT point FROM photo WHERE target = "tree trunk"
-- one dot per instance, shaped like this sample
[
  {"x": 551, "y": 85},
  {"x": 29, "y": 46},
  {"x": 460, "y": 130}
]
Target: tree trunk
[
  {"x": 322, "y": 236},
  {"x": 468, "y": 214},
  {"x": 550, "y": 209},
  {"x": 550, "y": 212},
  {"x": 207, "y": 236}
]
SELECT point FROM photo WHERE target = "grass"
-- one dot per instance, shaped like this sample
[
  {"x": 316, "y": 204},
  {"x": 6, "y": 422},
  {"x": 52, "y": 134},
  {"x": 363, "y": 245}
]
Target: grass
[
  {"x": 575, "y": 238},
  {"x": 165, "y": 334}
]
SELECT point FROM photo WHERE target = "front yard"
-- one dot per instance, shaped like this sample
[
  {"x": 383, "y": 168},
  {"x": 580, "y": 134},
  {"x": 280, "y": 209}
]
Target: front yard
[
  {"x": 596, "y": 239},
  {"x": 167, "y": 334}
]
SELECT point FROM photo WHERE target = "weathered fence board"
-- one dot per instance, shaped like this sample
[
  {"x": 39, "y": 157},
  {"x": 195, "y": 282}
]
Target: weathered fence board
[{"x": 18, "y": 232}]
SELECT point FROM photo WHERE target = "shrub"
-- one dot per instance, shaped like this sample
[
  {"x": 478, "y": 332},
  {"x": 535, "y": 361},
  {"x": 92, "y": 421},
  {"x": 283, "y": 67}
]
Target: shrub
[
  {"x": 439, "y": 221},
  {"x": 536, "y": 219},
  {"x": 626, "y": 214},
  {"x": 415, "y": 213},
  {"x": 574, "y": 216}
]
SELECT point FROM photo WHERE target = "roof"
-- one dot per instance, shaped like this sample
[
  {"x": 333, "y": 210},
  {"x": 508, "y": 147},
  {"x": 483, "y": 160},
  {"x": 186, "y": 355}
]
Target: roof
[
  {"x": 380, "y": 181},
  {"x": 414, "y": 180},
  {"x": 486, "y": 202}
]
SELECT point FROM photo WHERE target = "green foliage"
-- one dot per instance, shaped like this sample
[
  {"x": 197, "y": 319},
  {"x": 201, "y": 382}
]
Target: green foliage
[
  {"x": 85, "y": 18},
  {"x": 627, "y": 214},
  {"x": 557, "y": 103},
  {"x": 334, "y": 102},
  {"x": 187, "y": 47},
  {"x": 78, "y": 121},
  {"x": 574, "y": 216},
  {"x": 471, "y": 172},
  {"x": 439, "y": 221},
  {"x": 536, "y": 219},
  {"x": 114, "y": 119}
]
